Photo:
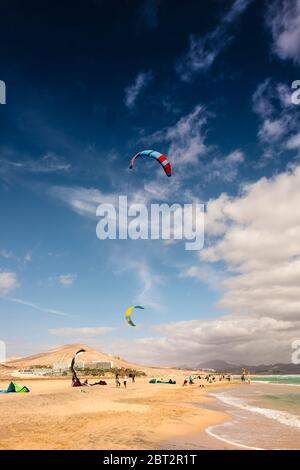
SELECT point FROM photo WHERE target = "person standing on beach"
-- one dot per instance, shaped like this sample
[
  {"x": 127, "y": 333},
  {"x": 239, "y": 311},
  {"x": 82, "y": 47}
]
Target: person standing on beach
[
  {"x": 118, "y": 383},
  {"x": 125, "y": 380}
]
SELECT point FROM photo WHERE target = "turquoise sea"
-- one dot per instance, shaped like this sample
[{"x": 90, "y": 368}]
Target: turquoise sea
[{"x": 277, "y": 379}]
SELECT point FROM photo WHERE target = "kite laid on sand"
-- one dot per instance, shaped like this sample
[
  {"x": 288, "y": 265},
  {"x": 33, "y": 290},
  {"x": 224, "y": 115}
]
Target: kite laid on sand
[{"x": 15, "y": 388}]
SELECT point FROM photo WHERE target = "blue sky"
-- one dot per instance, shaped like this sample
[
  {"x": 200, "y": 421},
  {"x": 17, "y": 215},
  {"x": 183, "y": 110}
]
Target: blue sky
[{"x": 207, "y": 83}]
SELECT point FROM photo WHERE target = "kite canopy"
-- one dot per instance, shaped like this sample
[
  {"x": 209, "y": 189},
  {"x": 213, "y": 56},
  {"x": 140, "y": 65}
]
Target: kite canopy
[
  {"x": 159, "y": 157},
  {"x": 15, "y": 388},
  {"x": 75, "y": 380},
  {"x": 128, "y": 314}
]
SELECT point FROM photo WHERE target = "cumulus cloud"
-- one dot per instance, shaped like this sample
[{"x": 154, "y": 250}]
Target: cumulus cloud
[
  {"x": 84, "y": 331},
  {"x": 255, "y": 236},
  {"x": 8, "y": 281},
  {"x": 283, "y": 19},
  {"x": 205, "y": 274},
  {"x": 204, "y": 50},
  {"x": 133, "y": 91}
]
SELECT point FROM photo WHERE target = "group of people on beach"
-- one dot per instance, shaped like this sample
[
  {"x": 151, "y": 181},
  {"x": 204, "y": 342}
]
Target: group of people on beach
[
  {"x": 124, "y": 378},
  {"x": 190, "y": 379}
]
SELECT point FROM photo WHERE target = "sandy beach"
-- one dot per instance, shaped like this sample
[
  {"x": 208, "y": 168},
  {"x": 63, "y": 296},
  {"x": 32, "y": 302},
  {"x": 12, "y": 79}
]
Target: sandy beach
[{"x": 144, "y": 416}]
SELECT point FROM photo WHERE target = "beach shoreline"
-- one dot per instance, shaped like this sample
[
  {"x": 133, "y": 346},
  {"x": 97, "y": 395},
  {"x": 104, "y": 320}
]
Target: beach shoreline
[{"x": 144, "y": 416}]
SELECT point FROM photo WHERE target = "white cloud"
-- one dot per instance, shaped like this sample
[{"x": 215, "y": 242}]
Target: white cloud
[
  {"x": 277, "y": 115},
  {"x": 203, "y": 51},
  {"x": 186, "y": 137},
  {"x": 283, "y": 19},
  {"x": 187, "y": 146},
  {"x": 294, "y": 142},
  {"x": 260, "y": 243},
  {"x": 133, "y": 91},
  {"x": 83, "y": 201},
  {"x": 67, "y": 279},
  {"x": 206, "y": 274},
  {"x": 255, "y": 236},
  {"x": 272, "y": 130},
  {"x": 225, "y": 168},
  {"x": 148, "y": 292},
  {"x": 8, "y": 281},
  {"x": 84, "y": 331},
  {"x": 7, "y": 254}
]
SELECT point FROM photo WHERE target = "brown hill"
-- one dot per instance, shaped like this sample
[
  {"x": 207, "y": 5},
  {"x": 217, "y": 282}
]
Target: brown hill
[
  {"x": 64, "y": 354},
  {"x": 5, "y": 371}
]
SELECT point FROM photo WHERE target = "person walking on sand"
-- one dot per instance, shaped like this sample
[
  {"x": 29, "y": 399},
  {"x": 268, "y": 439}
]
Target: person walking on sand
[
  {"x": 125, "y": 380},
  {"x": 118, "y": 383}
]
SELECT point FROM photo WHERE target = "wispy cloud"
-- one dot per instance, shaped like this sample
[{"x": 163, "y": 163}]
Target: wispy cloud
[
  {"x": 204, "y": 50},
  {"x": 279, "y": 118},
  {"x": 149, "y": 284},
  {"x": 49, "y": 163},
  {"x": 186, "y": 137},
  {"x": 84, "y": 331},
  {"x": 84, "y": 201},
  {"x": 283, "y": 19},
  {"x": 8, "y": 281},
  {"x": 224, "y": 168},
  {"x": 67, "y": 279},
  {"x": 10, "y": 255},
  {"x": 132, "y": 92},
  {"x": 34, "y": 306}
]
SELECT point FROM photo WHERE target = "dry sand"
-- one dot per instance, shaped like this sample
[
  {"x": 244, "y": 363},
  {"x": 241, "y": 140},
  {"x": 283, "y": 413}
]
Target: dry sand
[{"x": 144, "y": 416}]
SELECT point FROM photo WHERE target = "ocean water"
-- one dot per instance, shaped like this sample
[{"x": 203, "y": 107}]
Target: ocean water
[
  {"x": 278, "y": 379},
  {"x": 264, "y": 415}
]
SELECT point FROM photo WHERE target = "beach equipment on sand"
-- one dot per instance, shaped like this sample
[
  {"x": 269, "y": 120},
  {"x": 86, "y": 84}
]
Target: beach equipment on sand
[
  {"x": 157, "y": 381},
  {"x": 159, "y": 157},
  {"x": 15, "y": 388},
  {"x": 128, "y": 314}
]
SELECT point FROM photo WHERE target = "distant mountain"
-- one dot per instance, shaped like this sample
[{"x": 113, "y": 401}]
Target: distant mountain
[
  {"x": 223, "y": 366},
  {"x": 218, "y": 365}
]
